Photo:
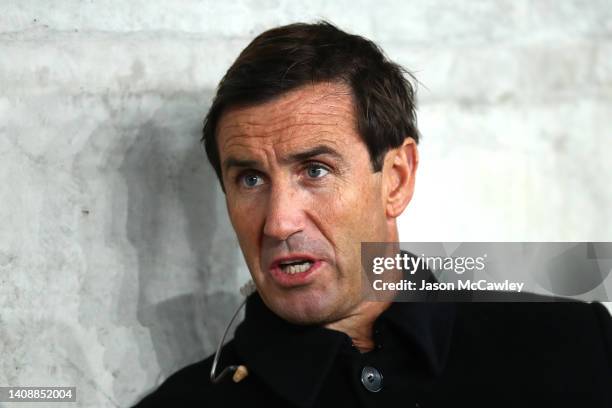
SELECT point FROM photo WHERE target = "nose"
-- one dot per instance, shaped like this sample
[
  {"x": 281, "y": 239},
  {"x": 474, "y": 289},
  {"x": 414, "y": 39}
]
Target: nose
[{"x": 285, "y": 215}]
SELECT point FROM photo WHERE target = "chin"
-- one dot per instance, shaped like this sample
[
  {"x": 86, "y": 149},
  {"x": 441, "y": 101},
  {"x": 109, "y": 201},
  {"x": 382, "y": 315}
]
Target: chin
[
  {"x": 304, "y": 318},
  {"x": 307, "y": 309}
]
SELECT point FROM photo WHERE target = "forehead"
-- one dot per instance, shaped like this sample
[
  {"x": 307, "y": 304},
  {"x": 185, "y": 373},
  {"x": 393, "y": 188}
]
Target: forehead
[{"x": 322, "y": 112}]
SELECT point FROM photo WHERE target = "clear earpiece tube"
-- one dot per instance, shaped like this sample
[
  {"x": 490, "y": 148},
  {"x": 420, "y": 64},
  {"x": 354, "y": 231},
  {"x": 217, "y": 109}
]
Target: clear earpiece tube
[{"x": 246, "y": 290}]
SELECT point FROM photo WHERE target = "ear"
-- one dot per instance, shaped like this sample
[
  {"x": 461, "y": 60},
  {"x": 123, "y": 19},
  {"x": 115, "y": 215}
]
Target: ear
[{"x": 399, "y": 171}]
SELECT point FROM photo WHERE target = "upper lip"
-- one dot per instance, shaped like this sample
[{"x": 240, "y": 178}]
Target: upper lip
[{"x": 291, "y": 258}]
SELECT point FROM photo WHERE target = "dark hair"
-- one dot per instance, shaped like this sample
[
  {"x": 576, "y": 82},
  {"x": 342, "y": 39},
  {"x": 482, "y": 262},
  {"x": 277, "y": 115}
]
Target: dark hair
[{"x": 284, "y": 58}]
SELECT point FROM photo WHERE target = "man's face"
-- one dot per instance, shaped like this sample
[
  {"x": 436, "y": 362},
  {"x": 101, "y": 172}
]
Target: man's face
[{"x": 302, "y": 196}]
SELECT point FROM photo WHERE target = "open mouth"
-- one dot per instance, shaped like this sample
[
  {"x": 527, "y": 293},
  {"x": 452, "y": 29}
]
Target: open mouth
[
  {"x": 295, "y": 270},
  {"x": 295, "y": 266}
]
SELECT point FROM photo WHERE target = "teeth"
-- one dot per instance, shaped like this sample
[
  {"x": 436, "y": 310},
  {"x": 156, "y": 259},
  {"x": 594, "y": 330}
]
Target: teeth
[{"x": 296, "y": 268}]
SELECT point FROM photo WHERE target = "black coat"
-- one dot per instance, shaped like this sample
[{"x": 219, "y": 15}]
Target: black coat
[{"x": 547, "y": 354}]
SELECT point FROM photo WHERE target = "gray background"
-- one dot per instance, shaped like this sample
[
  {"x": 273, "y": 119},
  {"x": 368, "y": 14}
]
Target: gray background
[{"x": 117, "y": 262}]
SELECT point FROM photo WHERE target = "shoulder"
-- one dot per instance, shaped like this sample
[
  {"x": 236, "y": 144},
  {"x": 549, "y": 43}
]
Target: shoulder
[
  {"x": 189, "y": 386},
  {"x": 540, "y": 338},
  {"x": 536, "y": 314},
  {"x": 542, "y": 312}
]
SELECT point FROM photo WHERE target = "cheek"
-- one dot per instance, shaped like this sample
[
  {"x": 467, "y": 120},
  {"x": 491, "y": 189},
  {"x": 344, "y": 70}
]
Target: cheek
[
  {"x": 352, "y": 214},
  {"x": 360, "y": 204},
  {"x": 244, "y": 218}
]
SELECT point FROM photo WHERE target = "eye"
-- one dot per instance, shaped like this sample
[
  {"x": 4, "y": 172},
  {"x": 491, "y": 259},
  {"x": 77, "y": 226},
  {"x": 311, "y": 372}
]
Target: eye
[
  {"x": 251, "y": 180},
  {"x": 316, "y": 171}
]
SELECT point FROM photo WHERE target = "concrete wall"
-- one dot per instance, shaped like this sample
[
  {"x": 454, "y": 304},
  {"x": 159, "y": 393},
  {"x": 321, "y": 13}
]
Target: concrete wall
[{"x": 117, "y": 262}]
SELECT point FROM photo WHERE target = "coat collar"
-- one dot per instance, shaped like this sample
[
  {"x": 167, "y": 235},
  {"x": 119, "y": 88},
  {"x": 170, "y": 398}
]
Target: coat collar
[
  {"x": 426, "y": 325},
  {"x": 294, "y": 360}
]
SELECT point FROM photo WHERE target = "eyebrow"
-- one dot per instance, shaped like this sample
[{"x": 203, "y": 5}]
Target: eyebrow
[
  {"x": 319, "y": 150},
  {"x": 234, "y": 162}
]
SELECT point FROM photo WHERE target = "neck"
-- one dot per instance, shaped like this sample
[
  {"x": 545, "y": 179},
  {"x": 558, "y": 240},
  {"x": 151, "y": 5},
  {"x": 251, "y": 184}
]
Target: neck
[{"x": 358, "y": 325}]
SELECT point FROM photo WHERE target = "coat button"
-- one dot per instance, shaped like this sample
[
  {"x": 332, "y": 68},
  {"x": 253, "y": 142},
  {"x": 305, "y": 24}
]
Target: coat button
[{"x": 371, "y": 379}]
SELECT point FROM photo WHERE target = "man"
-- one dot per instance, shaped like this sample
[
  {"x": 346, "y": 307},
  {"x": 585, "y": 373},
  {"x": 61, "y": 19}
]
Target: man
[{"x": 313, "y": 137}]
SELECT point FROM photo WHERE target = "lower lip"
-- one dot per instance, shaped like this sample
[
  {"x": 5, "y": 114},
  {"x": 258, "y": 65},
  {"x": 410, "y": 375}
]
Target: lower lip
[{"x": 297, "y": 279}]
